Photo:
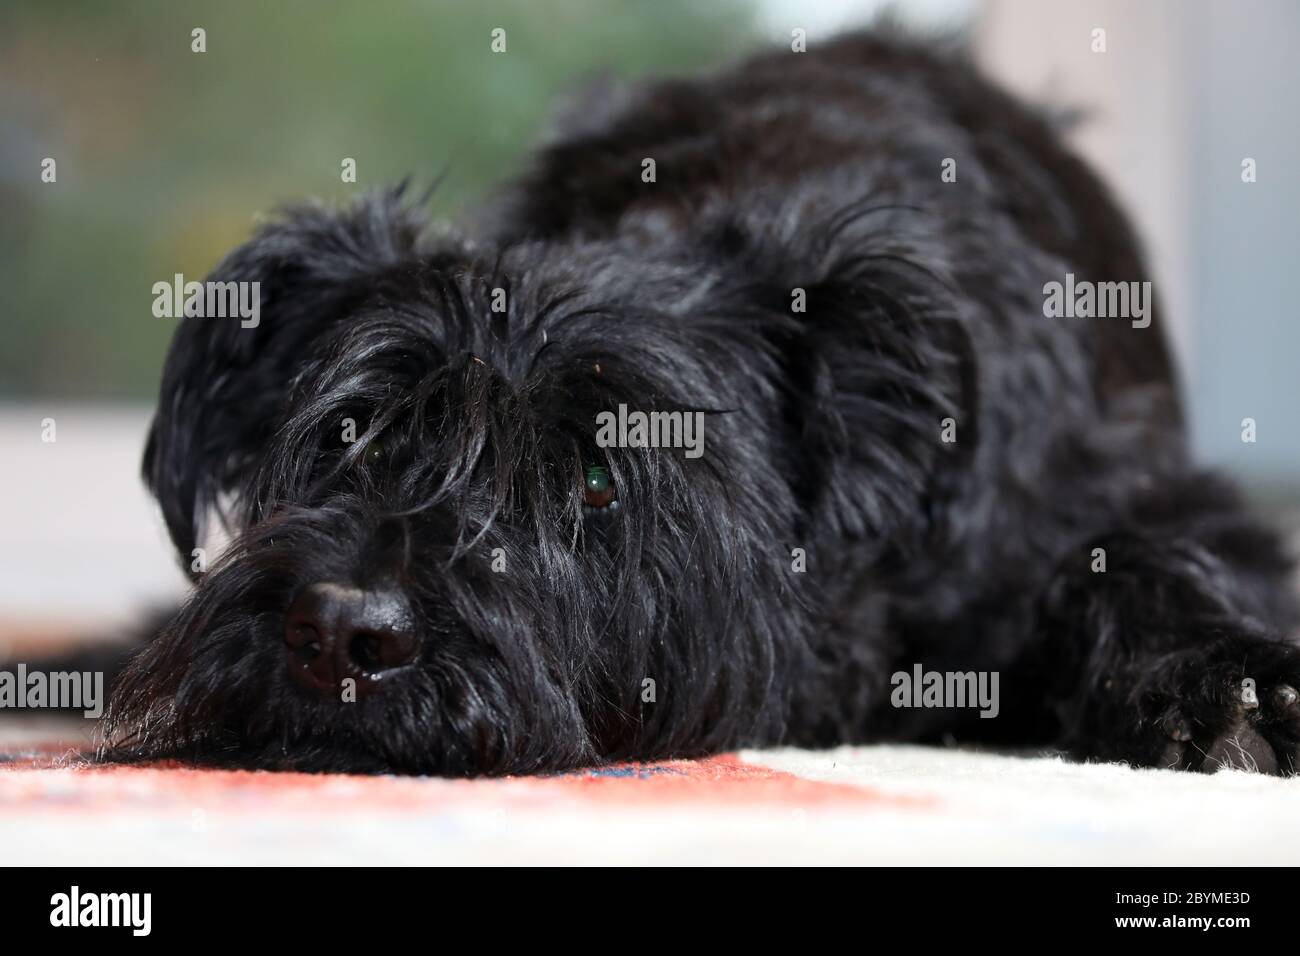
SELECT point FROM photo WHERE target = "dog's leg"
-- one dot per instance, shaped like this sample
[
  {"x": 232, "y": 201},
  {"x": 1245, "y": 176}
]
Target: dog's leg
[{"x": 1176, "y": 634}]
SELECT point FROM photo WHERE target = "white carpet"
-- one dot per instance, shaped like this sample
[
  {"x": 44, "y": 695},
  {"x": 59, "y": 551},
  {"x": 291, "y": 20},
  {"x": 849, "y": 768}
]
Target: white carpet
[
  {"x": 993, "y": 809},
  {"x": 872, "y": 805}
]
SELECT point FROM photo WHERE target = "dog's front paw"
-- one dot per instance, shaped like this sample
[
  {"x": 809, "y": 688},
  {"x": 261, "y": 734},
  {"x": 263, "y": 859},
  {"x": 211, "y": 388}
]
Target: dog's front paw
[{"x": 1243, "y": 724}]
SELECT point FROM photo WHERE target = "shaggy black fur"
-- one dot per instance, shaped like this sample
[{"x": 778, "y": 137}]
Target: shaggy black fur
[{"x": 817, "y": 171}]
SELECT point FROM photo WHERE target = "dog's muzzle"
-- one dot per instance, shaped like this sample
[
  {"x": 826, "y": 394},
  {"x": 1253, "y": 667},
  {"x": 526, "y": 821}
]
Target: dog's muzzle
[{"x": 335, "y": 633}]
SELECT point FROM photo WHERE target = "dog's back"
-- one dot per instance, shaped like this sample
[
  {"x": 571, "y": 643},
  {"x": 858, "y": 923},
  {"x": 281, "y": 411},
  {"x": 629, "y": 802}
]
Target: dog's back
[{"x": 877, "y": 165}]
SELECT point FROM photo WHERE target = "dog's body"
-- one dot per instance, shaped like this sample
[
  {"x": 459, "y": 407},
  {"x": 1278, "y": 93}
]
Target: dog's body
[{"x": 906, "y": 461}]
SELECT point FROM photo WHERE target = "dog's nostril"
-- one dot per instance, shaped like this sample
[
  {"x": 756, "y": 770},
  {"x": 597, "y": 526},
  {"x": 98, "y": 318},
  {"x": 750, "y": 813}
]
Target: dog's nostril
[
  {"x": 365, "y": 651},
  {"x": 308, "y": 643},
  {"x": 373, "y": 652},
  {"x": 336, "y": 633}
]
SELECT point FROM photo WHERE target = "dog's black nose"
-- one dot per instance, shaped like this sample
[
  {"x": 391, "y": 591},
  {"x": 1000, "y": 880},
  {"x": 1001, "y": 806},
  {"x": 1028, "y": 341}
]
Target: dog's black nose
[{"x": 334, "y": 632}]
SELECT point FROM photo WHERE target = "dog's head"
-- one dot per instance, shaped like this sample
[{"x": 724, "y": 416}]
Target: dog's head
[{"x": 434, "y": 566}]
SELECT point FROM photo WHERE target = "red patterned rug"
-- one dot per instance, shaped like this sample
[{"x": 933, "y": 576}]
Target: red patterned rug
[{"x": 896, "y": 805}]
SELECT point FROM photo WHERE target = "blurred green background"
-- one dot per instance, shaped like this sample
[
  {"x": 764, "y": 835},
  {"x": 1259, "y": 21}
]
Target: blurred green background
[{"x": 164, "y": 156}]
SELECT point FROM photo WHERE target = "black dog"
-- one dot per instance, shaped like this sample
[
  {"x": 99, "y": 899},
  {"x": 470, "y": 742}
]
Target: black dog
[{"x": 839, "y": 257}]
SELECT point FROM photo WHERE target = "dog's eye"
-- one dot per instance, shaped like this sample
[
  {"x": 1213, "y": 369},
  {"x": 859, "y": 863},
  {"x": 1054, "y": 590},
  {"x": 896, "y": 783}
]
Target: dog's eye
[
  {"x": 374, "y": 453},
  {"x": 598, "y": 488}
]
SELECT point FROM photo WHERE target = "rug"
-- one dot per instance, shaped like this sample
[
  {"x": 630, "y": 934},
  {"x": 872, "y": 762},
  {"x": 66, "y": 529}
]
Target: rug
[{"x": 854, "y": 805}]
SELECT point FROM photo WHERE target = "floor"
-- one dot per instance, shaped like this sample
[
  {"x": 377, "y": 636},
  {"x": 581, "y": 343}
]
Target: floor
[
  {"x": 100, "y": 540},
  {"x": 870, "y": 805}
]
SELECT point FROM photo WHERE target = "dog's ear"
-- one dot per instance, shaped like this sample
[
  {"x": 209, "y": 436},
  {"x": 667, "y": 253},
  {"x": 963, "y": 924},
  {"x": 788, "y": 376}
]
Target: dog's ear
[{"x": 225, "y": 379}]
